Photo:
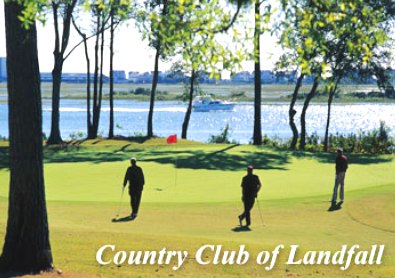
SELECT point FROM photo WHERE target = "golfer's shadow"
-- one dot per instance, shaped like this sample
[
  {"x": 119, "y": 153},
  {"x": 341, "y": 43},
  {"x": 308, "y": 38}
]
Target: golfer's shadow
[
  {"x": 239, "y": 229},
  {"x": 123, "y": 219},
  {"x": 335, "y": 206}
]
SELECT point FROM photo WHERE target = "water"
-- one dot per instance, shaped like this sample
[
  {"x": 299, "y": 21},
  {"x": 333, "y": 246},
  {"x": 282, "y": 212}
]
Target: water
[{"x": 131, "y": 119}]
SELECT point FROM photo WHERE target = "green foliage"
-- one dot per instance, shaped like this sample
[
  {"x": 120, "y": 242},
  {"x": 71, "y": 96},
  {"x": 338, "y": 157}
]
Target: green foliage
[
  {"x": 376, "y": 141},
  {"x": 140, "y": 91},
  {"x": 222, "y": 138},
  {"x": 33, "y": 10},
  {"x": 364, "y": 95},
  {"x": 236, "y": 95},
  {"x": 189, "y": 30},
  {"x": 77, "y": 135},
  {"x": 325, "y": 38}
]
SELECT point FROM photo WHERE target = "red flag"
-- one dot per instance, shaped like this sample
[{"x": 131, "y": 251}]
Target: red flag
[{"x": 172, "y": 139}]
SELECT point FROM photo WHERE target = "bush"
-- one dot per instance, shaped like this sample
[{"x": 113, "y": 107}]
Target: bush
[
  {"x": 363, "y": 95},
  {"x": 141, "y": 91},
  {"x": 222, "y": 138},
  {"x": 238, "y": 95},
  {"x": 376, "y": 141},
  {"x": 77, "y": 135}
]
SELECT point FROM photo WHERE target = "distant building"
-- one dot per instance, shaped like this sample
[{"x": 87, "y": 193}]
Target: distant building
[
  {"x": 133, "y": 76},
  {"x": 3, "y": 69},
  {"x": 119, "y": 76},
  {"x": 70, "y": 77},
  {"x": 285, "y": 77},
  {"x": 267, "y": 77},
  {"x": 137, "y": 77},
  {"x": 243, "y": 76}
]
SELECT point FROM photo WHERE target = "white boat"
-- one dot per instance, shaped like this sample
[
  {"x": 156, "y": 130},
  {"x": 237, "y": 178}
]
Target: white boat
[{"x": 207, "y": 103}]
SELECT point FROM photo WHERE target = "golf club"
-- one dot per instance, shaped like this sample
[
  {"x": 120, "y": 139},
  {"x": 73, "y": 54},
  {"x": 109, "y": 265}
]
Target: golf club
[
  {"x": 259, "y": 208},
  {"x": 119, "y": 206}
]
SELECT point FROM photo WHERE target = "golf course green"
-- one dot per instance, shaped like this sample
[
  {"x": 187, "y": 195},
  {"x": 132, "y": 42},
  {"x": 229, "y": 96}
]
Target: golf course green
[{"x": 192, "y": 198}]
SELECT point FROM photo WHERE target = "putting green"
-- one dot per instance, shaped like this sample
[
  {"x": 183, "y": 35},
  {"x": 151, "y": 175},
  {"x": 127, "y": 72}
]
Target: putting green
[{"x": 192, "y": 198}]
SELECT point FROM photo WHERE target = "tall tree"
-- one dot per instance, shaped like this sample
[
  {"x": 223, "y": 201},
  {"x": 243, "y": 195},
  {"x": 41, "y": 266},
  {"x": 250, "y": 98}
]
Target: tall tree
[
  {"x": 303, "y": 54},
  {"x": 101, "y": 17},
  {"x": 167, "y": 25},
  {"x": 63, "y": 9},
  {"x": 292, "y": 112},
  {"x": 203, "y": 51},
  {"x": 257, "y": 136},
  {"x": 306, "y": 104},
  {"x": 111, "y": 93},
  {"x": 364, "y": 23},
  {"x": 327, "y": 37},
  {"x": 185, "y": 123},
  {"x": 26, "y": 246},
  {"x": 119, "y": 11},
  {"x": 88, "y": 80},
  {"x": 161, "y": 26},
  {"x": 261, "y": 20},
  {"x": 98, "y": 11}
]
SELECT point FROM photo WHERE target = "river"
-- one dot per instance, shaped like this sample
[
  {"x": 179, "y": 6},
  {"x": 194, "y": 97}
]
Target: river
[{"x": 131, "y": 119}]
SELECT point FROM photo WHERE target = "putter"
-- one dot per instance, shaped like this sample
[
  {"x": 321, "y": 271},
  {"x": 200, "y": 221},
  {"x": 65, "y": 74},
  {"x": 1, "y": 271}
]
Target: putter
[
  {"x": 119, "y": 206},
  {"x": 259, "y": 208}
]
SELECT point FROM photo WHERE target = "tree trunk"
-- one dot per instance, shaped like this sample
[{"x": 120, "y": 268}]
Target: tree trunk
[
  {"x": 95, "y": 109},
  {"x": 153, "y": 92},
  {"x": 328, "y": 118},
  {"x": 111, "y": 129},
  {"x": 101, "y": 74},
  {"x": 257, "y": 137},
  {"x": 26, "y": 246},
  {"x": 60, "y": 48},
  {"x": 89, "y": 125},
  {"x": 292, "y": 113},
  {"x": 88, "y": 91},
  {"x": 189, "y": 109},
  {"x": 326, "y": 140},
  {"x": 303, "y": 115},
  {"x": 55, "y": 136}
]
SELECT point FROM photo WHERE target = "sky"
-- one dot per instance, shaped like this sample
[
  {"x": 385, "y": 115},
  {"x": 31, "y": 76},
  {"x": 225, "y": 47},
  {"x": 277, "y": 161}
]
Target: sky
[{"x": 131, "y": 52}]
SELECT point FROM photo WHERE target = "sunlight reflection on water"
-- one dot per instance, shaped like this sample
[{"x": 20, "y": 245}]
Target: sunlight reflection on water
[{"x": 131, "y": 119}]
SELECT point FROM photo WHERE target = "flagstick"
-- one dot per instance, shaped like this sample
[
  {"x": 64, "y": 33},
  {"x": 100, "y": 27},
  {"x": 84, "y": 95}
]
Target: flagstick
[
  {"x": 175, "y": 166},
  {"x": 175, "y": 171},
  {"x": 172, "y": 139}
]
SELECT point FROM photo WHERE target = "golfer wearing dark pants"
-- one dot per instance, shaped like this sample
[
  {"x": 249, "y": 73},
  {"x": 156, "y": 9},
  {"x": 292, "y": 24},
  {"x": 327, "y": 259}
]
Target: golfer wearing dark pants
[
  {"x": 341, "y": 168},
  {"x": 135, "y": 176},
  {"x": 250, "y": 188}
]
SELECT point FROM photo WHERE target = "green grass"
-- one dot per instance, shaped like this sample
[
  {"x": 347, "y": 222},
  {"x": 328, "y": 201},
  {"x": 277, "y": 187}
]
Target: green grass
[{"x": 192, "y": 197}]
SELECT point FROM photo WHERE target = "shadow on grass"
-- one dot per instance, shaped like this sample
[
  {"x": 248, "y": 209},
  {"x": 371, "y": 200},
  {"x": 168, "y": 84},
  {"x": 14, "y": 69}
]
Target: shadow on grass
[
  {"x": 94, "y": 157},
  {"x": 123, "y": 219},
  {"x": 363, "y": 159},
  {"x": 335, "y": 207},
  {"x": 239, "y": 229},
  {"x": 221, "y": 160},
  {"x": 13, "y": 274}
]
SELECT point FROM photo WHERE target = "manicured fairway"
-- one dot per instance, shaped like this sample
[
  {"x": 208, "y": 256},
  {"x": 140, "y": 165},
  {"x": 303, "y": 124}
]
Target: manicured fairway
[{"x": 192, "y": 198}]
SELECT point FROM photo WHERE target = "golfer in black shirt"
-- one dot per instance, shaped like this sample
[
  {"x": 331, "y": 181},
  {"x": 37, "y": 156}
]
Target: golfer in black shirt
[
  {"x": 250, "y": 187},
  {"x": 135, "y": 176},
  {"x": 341, "y": 168}
]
